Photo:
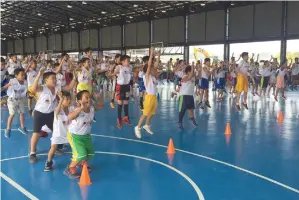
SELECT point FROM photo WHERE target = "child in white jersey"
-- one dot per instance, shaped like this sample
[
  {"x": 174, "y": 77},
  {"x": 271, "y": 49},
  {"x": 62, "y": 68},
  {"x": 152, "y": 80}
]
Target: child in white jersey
[
  {"x": 204, "y": 83},
  {"x": 186, "y": 97},
  {"x": 179, "y": 72},
  {"x": 295, "y": 74},
  {"x": 220, "y": 80},
  {"x": 124, "y": 73},
  {"x": 79, "y": 132},
  {"x": 272, "y": 81},
  {"x": 60, "y": 127},
  {"x": 113, "y": 78},
  {"x": 84, "y": 76},
  {"x": 13, "y": 64},
  {"x": 45, "y": 106},
  {"x": 16, "y": 92},
  {"x": 150, "y": 100},
  {"x": 280, "y": 82},
  {"x": 4, "y": 81},
  {"x": 31, "y": 71},
  {"x": 141, "y": 86},
  {"x": 242, "y": 81}
]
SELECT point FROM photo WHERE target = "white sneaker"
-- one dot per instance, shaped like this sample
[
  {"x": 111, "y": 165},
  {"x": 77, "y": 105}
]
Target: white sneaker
[
  {"x": 148, "y": 129},
  {"x": 137, "y": 132}
]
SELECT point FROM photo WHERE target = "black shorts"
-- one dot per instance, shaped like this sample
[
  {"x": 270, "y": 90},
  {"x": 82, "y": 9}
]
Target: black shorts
[
  {"x": 265, "y": 81},
  {"x": 122, "y": 92},
  {"x": 41, "y": 119},
  {"x": 131, "y": 83},
  {"x": 186, "y": 102}
]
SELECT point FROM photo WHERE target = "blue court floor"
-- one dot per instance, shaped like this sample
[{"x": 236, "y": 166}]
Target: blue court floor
[{"x": 259, "y": 161}]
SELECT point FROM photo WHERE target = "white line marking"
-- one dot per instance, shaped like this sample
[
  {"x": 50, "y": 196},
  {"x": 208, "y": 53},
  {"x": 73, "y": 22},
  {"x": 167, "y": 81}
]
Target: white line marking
[
  {"x": 18, "y": 187},
  {"x": 195, "y": 187},
  {"x": 201, "y": 156},
  {"x": 208, "y": 158}
]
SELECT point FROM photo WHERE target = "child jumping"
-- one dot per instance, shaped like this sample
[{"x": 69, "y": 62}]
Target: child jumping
[{"x": 150, "y": 100}]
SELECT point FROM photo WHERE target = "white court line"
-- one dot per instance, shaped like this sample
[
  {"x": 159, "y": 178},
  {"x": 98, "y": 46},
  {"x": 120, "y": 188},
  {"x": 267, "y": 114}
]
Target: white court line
[
  {"x": 195, "y": 187},
  {"x": 18, "y": 187},
  {"x": 202, "y": 156},
  {"x": 208, "y": 158}
]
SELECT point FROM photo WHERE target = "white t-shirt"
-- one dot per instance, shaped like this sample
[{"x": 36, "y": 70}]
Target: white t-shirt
[
  {"x": 17, "y": 90},
  {"x": 124, "y": 76},
  {"x": 31, "y": 74},
  {"x": 82, "y": 124},
  {"x": 141, "y": 74},
  {"x": 295, "y": 69},
  {"x": 60, "y": 79},
  {"x": 281, "y": 72},
  {"x": 180, "y": 74},
  {"x": 203, "y": 73},
  {"x": 84, "y": 76},
  {"x": 24, "y": 65},
  {"x": 187, "y": 87},
  {"x": 12, "y": 66},
  {"x": 60, "y": 127},
  {"x": 244, "y": 66},
  {"x": 104, "y": 66},
  {"x": 47, "y": 101},
  {"x": 65, "y": 66},
  {"x": 151, "y": 86},
  {"x": 266, "y": 71},
  {"x": 221, "y": 73},
  {"x": 233, "y": 74}
]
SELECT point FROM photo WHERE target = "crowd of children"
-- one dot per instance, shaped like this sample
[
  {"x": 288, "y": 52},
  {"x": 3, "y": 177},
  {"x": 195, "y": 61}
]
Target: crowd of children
[{"x": 67, "y": 94}]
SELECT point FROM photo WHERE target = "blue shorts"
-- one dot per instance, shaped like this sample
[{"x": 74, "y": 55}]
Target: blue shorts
[
  {"x": 220, "y": 83},
  {"x": 186, "y": 102},
  {"x": 141, "y": 86},
  {"x": 203, "y": 83}
]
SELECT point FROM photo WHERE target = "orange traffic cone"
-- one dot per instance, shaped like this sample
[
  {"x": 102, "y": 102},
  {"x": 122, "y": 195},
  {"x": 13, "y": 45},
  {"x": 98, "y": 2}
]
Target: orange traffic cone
[
  {"x": 170, "y": 149},
  {"x": 84, "y": 179},
  {"x": 227, "y": 130},
  {"x": 280, "y": 117}
]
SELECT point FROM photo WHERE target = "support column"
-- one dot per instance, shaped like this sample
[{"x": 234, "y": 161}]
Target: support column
[
  {"x": 62, "y": 47},
  {"x": 34, "y": 45},
  {"x": 226, "y": 35},
  {"x": 13, "y": 46},
  {"x": 99, "y": 40},
  {"x": 23, "y": 41},
  {"x": 186, "y": 46},
  {"x": 283, "y": 46},
  {"x": 123, "y": 50}
]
